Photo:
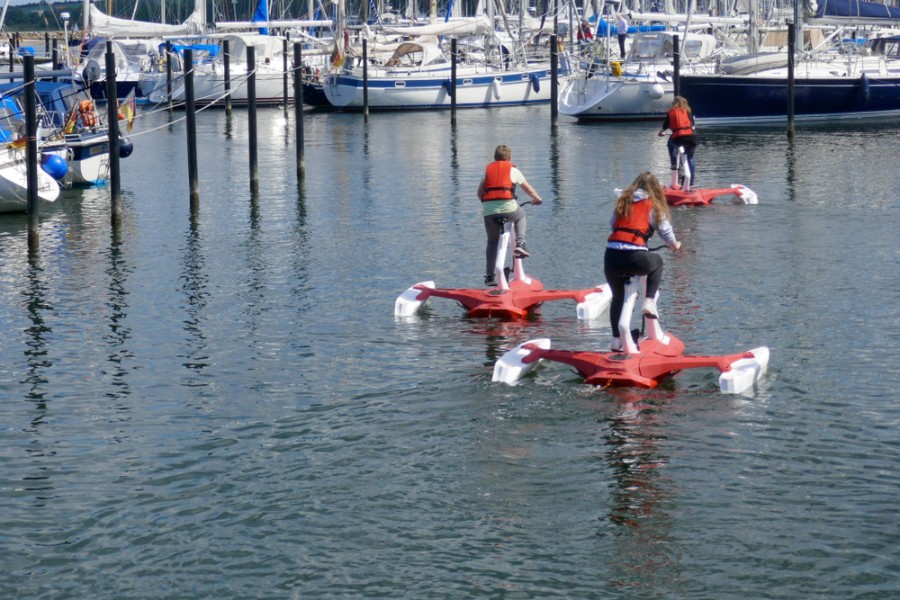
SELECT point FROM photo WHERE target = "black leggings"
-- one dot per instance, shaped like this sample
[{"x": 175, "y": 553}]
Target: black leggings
[{"x": 619, "y": 266}]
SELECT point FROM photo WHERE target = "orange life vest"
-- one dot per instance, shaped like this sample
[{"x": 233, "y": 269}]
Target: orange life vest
[
  {"x": 498, "y": 183},
  {"x": 680, "y": 122},
  {"x": 86, "y": 110},
  {"x": 634, "y": 229}
]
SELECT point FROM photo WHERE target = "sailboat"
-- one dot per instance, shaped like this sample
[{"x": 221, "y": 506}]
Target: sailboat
[
  {"x": 641, "y": 85},
  {"x": 134, "y": 44},
  {"x": 209, "y": 73},
  {"x": 841, "y": 82},
  {"x": 418, "y": 72},
  {"x": 209, "y": 69}
]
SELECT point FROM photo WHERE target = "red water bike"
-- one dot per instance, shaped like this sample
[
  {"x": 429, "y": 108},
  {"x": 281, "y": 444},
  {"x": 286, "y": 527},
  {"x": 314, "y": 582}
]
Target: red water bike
[
  {"x": 685, "y": 195},
  {"x": 516, "y": 296},
  {"x": 644, "y": 361}
]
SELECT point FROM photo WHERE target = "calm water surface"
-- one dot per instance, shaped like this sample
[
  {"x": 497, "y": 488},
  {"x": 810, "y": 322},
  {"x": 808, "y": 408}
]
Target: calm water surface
[{"x": 226, "y": 406}]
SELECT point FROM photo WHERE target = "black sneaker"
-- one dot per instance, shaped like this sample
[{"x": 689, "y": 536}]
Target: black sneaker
[
  {"x": 490, "y": 280},
  {"x": 520, "y": 251}
]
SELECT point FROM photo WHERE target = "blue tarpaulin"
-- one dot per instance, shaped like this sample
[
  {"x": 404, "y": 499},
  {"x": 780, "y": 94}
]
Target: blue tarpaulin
[
  {"x": 852, "y": 8},
  {"x": 262, "y": 15}
]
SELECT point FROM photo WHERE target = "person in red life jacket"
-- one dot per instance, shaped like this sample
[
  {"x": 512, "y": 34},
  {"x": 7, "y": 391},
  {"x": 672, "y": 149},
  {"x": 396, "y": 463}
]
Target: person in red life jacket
[
  {"x": 497, "y": 192},
  {"x": 680, "y": 121},
  {"x": 641, "y": 210},
  {"x": 585, "y": 35}
]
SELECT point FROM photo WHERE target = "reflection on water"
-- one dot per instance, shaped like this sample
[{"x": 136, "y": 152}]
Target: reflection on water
[
  {"x": 194, "y": 283},
  {"x": 119, "y": 330},
  {"x": 642, "y": 496},
  {"x": 338, "y": 432},
  {"x": 36, "y": 352}
]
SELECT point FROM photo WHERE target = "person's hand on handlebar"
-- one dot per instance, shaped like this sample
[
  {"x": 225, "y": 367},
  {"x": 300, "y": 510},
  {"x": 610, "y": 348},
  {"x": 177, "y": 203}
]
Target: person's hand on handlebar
[{"x": 675, "y": 246}]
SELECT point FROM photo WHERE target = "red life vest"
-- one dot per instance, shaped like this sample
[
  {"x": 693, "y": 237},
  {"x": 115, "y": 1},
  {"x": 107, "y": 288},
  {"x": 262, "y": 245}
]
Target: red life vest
[
  {"x": 680, "y": 122},
  {"x": 635, "y": 229},
  {"x": 498, "y": 184},
  {"x": 86, "y": 110}
]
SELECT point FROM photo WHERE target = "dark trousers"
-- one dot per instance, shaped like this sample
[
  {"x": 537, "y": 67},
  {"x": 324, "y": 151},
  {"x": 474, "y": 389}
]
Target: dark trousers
[
  {"x": 619, "y": 266},
  {"x": 689, "y": 146}
]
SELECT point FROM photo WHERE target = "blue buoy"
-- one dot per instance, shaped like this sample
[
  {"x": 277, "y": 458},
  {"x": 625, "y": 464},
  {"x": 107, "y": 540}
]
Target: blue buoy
[
  {"x": 535, "y": 82},
  {"x": 126, "y": 147},
  {"x": 54, "y": 165},
  {"x": 864, "y": 83}
]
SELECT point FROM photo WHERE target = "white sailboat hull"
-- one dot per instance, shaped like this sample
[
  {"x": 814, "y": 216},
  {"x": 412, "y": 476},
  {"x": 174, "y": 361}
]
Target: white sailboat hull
[
  {"x": 209, "y": 87},
  {"x": 432, "y": 90},
  {"x": 616, "y": 98},
  {"x": 86, "y": 156}
]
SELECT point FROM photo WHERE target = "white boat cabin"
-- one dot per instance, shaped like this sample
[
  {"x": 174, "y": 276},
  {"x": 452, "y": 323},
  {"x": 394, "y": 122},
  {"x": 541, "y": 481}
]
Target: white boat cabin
[
  {"x": 659, "y": 47},
  {"x": 416, "y": 54}
]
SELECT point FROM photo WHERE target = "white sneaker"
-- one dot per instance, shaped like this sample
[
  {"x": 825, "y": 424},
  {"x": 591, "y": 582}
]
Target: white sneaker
[
  {"x": 650, "y": 308},
  {"x": 616, "y": 345}
]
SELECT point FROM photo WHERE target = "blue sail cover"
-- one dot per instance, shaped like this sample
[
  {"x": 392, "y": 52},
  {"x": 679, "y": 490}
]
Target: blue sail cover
[
  {"x": 852, "y": 8},
  {"x": 613, "y": 30},
  {"x": 262, "y": 14}
]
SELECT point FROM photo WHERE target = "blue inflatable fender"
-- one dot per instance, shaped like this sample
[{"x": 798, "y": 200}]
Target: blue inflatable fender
[
  {"x": 535, "y": 82},
  {"x": 448, "y": 84},
  {"x": 54, "y": 165},
  {"x": 864, "y": 85},
  {"x": 126, "y": 147}
]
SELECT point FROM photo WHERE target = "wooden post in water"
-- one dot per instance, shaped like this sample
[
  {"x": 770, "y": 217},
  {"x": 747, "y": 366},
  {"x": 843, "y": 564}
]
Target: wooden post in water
[
  {"x": 169, "y": 73},
  {"x": 31, "y": 166},
  {"x": 226, "y": 58},
  {"x": 284, "y": 56},
  {"x": 251, "y": 118},
  {"x": 792, "y": 42},
  {"x": 112, "y": 131},
  {"x": 298, "y": 109},
  {"x": 365, "y": 59},
  {"x": 190, "y": 119},
  {"x": 554, "y": 68},
  {"x": 454, "y": 56},
  {"x": 676, "y": 63}
]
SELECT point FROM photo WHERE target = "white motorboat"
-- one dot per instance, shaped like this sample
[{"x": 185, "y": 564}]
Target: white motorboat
[{"x": 13, "y": 167}]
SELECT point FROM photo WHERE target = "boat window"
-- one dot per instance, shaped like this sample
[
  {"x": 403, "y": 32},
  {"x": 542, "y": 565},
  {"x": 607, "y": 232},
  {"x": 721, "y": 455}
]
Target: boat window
[
  {"x": 645, "y": 48},
  {"x": 693, "y": 48},
  {"x": 668, "y": 49},
  {"x": 399, "y": 84},
  {"x": 892, "y": 49}
]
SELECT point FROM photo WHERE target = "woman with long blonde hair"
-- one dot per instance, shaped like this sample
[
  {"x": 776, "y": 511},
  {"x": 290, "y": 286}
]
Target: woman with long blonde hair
[{"x": 640, "y": 210}]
